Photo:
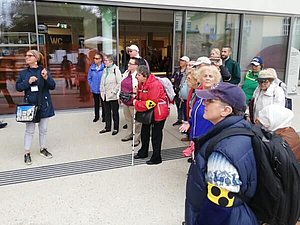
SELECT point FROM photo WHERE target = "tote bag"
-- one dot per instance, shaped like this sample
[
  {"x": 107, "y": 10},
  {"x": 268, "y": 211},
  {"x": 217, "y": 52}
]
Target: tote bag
[{"x": 27, "y": 113}]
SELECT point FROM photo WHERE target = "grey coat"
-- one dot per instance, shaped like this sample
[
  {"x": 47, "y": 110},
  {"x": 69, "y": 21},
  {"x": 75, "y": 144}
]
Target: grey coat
[{"x": 110, "y": 83}]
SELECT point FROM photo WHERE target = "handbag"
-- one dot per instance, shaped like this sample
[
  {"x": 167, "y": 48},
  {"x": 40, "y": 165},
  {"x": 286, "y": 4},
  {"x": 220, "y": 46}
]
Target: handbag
[
  {"x": 125, "y": 97},
  {"x": 145, "y": 117},
  {"x": 27, "y": 113}
]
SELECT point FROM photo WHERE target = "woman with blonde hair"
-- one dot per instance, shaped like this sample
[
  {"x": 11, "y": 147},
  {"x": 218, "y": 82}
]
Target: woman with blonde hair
[
  {"x": 36, "y": 82},
  {"x": 207, "y": 76}
]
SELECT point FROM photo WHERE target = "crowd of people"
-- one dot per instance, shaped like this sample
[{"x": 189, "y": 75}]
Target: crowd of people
[{"x": 211, "y": 96}]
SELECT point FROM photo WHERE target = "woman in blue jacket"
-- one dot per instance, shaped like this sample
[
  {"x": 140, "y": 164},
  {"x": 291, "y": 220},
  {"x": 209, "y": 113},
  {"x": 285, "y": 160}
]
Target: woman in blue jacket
[
  {"x": 207, "y": 76},
  {"x": 94, "y": 80},
  {"x": 36, "y": 82},
  {"x": 212, "y": 184}
]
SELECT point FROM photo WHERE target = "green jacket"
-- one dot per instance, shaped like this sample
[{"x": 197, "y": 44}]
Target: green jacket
[
  {"x": 250, "y": 84},
  {"x": 234, "y": 69}
]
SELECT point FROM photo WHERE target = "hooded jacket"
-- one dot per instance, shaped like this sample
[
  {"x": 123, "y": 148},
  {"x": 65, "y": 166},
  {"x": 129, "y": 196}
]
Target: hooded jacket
[
  {"x": 238, "y": 152},
  {"x": 152, "y": 91},
  {"x": 278, "y": 119},
  {"x": 273, "y": 95}
]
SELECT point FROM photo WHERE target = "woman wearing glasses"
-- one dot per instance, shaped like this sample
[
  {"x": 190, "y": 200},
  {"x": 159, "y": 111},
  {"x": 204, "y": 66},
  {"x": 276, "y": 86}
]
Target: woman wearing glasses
[
  {"x": 109, "y": 88},
  {"x": 151, "y": 95},
  {"x": 36, "y": 82},
  {"x": 267, "y": 92},
  {"x": 128, "y": 90},
  {"x": 94, "y": 79}
]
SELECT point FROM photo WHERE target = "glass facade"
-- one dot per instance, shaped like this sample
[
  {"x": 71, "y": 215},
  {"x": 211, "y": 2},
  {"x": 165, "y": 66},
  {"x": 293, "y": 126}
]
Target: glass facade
[
  {"x": 265, "y": 36},
  {"x": 293, "y": 77},
  {"x": 163, "y": 36},
  {"x": 211, "y": 30}
]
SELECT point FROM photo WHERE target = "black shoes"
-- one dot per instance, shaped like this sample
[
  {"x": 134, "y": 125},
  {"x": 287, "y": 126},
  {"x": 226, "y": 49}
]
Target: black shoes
[
  {"x": 127, "y": 139},
  {"x": 136, "y": 144},
  {"x": 177, "y": 123},
  {"x": 2, "y": 125},
  {"x": 95, "y": 120},
  {"x": 149, "y": 162},
  {"x": 115, "y": 132},
  {"x": 44, "y": 152},
  {"x": 27, "y": 159},
  {"x": 104, "y": 131},
  {"x": 139, "y": 157}
]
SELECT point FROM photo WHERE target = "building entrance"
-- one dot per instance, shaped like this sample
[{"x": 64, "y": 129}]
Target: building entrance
[{"x": 152, "y": 31}]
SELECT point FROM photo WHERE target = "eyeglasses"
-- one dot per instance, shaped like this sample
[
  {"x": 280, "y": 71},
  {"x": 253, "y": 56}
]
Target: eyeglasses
[
  {"x": 97, "y": 58},
  {"x": 209, "y": 101},
  {"x": 28, "y": 55}
]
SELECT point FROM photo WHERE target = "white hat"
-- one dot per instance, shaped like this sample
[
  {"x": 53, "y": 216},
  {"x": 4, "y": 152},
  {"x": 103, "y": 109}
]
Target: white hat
[
  {"x": 185, "y": 58},
  {"x": 132, "y": 47},
  {"x": 275, "y": 116},
  {"x": 202, "y": 60}
]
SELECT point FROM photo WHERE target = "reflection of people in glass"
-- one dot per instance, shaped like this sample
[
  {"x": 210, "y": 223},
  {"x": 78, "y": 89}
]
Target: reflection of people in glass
[
  {"x": 66, "y": 66},
  {"x": 3, "y": 85},
  {"x": 82, "y": 77},
  {"x": 94, "y": 79},
  {"x": 36, "y": 82}
]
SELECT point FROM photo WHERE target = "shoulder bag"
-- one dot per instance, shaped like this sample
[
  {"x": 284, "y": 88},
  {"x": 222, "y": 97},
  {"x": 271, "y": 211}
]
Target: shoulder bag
[{"x": 145, "y": 117}]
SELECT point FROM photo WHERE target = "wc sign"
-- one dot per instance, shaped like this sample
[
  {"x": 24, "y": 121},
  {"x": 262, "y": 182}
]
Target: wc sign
[{"x": 59, "y": 39}]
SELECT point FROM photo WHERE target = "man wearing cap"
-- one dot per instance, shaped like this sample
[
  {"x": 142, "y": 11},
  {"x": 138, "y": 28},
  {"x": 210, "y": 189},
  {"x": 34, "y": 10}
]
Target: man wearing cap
[
  {"x": 249, "y": 80},
  {"x": 232, "y": 66},
  {"x": 229, "y": 169},
  {"x": 178, "y": 79},
  {"x": 133, "y": 52}
]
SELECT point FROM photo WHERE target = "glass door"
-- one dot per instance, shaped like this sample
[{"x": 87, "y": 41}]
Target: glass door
[{"x": 151, "y": 30}]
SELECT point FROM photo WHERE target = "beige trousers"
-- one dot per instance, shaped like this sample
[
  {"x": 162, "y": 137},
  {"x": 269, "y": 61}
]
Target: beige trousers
[{"x": 128, "y": 114}]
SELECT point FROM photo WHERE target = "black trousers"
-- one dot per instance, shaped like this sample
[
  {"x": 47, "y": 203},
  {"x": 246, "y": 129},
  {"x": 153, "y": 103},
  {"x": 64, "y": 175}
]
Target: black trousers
[
  {"x": 111, "y": 107},
  {"x": 156, "y": 139},
  {"x": 98, "y": 101}
]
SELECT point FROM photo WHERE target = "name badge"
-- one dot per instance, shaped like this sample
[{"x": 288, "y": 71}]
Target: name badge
[{"x": 34, "y": 88}]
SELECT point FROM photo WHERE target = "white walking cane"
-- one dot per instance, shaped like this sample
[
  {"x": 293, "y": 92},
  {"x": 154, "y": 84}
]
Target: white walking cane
[{"x": 133, "y": 138}]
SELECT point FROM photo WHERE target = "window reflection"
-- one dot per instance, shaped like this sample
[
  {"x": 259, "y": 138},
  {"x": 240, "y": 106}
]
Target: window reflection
[
  {"x": 208, "y": 30},
  {"x": 69, "y": 37},
  {"x": 265, "y": 36}
]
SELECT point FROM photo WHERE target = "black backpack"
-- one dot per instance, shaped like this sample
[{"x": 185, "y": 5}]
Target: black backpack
[{"x": 276, "y": 200}]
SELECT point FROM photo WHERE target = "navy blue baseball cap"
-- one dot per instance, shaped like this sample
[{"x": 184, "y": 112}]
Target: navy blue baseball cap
[
  {"x": 226, "y": 92},
  {"x": 257, "y": 61}
]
